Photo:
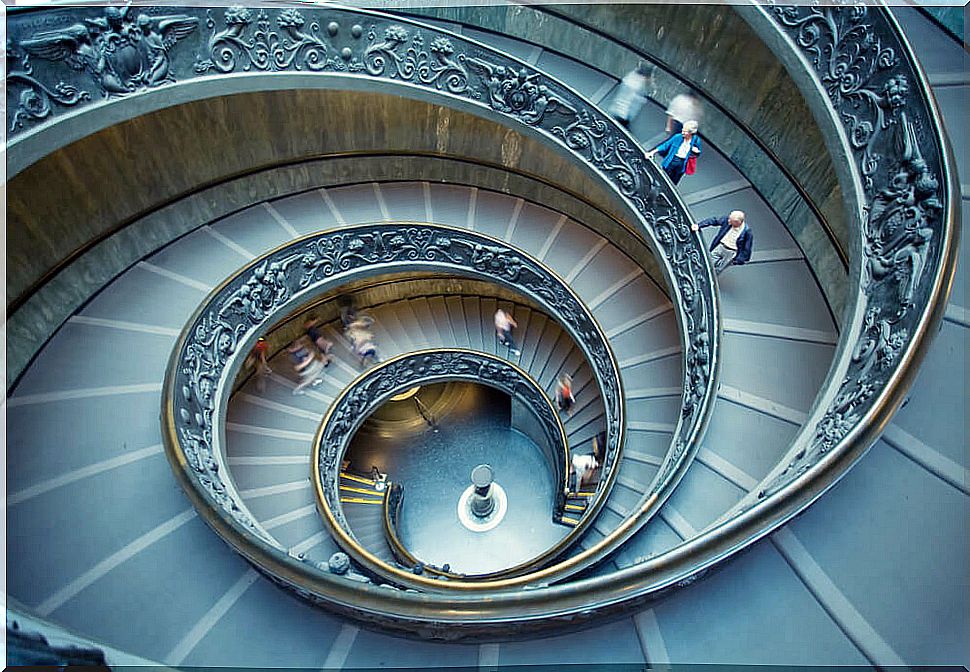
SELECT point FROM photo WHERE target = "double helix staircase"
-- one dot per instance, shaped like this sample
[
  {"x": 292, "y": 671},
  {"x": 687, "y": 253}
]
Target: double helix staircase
[
  {"x": 268, "y": 427},
  {"x": 94, "y": 515}
]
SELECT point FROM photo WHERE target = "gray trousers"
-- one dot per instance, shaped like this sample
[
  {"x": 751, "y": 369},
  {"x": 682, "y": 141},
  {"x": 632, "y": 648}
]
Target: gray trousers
[{"x": 723, "y": 257}]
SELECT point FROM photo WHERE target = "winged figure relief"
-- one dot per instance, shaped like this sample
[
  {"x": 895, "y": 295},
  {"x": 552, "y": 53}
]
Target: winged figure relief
[
  {"x": 120, "y": 53},
  {"x": 159, "y": 35}
]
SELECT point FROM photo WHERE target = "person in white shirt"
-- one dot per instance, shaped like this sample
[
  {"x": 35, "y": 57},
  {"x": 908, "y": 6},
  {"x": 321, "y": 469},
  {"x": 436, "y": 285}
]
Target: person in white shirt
[
  {"x": 632, "y": 94},
  {"x": 504, "y": 324},
  {"x": 733, "y": 243},
  {"x": 584, "y": 466},
  {"x": 683, "y": 107}
]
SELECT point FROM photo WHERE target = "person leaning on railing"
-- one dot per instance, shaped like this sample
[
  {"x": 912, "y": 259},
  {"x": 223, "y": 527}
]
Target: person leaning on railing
[
  {"x": 680, "y": 152},
  {"x": 733, "y": 242}
]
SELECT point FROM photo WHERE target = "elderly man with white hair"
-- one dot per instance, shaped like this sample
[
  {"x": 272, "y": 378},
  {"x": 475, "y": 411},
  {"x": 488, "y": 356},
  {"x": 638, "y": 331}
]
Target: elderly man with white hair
[{"x": 733, "y": 241}]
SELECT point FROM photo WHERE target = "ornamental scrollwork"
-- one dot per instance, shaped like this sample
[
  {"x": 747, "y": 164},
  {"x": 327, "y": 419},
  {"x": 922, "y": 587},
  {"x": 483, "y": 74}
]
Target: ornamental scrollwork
[
  {"x": 612, "y": 153},
  {"x": 125, "y": 54},
  {"x": 421, "y": 368},
  {"x": 35, "y": 99},
  {"x": 857, "y": 61},
  {"x": 121, "y": 53},
  {"x": 252, "y": 299},
  {"x": 402, "y": 55},
  {"x": 294, "y": 44}
]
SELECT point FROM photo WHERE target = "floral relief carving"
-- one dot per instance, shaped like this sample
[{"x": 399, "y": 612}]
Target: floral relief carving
[
  {"x": 293, "y": 43},
  {"x": 419, "y": 369},
  {"x": 250, "y": 301},
  {"x": 402, "y": 55},
  {"x": 125, "y": 54},
  {"x": 115, "y": 53},
  {"x": 855, "y": 59}
]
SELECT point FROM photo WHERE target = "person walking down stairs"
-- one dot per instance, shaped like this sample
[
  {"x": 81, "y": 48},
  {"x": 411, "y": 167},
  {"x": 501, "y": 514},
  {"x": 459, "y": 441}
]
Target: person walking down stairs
[
  {"x": 632, "y": 94},
  {"x": 564, "y": 394},
  {"x": 504, "y": 324},
  {"x": 680, "y": 152},
  {"x": 307, "y": 365}
]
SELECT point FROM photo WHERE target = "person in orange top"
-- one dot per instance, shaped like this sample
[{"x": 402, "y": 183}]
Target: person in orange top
[{"x": 564, "y": 393}]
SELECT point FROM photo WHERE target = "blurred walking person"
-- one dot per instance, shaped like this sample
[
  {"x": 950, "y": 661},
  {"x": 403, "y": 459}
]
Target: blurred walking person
[
  {"x": 632, "y": 94},
  {"x": 504, "y": 324},
  {"x": 564, "y": 394},
  {"x": 306, "y": 364}
]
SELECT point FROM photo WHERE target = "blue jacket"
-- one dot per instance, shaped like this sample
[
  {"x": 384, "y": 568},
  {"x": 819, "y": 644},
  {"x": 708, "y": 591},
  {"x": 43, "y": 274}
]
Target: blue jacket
[
  {"x": 670, "y": 146},
  {"x": 745, "y": 240}
]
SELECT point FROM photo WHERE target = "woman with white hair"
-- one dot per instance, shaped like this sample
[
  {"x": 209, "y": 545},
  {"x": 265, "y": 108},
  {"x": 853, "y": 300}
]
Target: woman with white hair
[{"x": 680, "y": 152}]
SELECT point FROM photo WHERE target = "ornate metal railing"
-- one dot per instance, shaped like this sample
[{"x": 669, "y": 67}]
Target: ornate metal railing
[
  {"x": 875, "y": 108},
  {"x": 72, "y": 71},
  {"x": 217, "y": 338},
  {"x": 68, "y": 66},
  {"x": 855, "y": 65},
  {"x": 901, "y": 182},
  {"x": 393, "y": 501},
  {"x": 376, "y": 386}
]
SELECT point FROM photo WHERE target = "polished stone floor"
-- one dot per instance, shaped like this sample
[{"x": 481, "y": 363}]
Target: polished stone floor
[{"x": 435, "y": 468}]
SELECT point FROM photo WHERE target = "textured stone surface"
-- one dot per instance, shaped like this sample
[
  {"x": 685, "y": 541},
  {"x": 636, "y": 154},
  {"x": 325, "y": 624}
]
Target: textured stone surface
[
  {"x": 47, "y": 308},
  {"x": 153, "y": 159}
]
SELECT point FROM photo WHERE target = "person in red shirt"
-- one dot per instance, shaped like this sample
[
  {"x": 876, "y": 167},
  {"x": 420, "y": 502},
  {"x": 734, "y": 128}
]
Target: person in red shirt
[{"x": 564, "y": 393}]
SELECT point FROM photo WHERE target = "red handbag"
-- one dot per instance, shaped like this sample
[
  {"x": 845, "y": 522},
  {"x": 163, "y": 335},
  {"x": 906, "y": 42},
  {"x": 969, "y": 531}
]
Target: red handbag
[{"x": 691, "y": 166}]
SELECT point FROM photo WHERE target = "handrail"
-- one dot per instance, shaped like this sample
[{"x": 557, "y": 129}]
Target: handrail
[
  {"x": 460, "y": 73},
  {"x": 55, "y": 87},
  {"x": 701, "y": 89},
  {"x": 213, "y": 345},
  {"x": 85, "y": 67},
  {"x": 374, "y": 387},
  {"x": 906, "y": 241},
  {"x": 392, "y": 513},
  {"x": 914, "y": 188}
]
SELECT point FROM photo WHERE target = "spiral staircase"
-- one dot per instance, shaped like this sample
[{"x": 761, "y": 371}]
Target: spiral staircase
[{"x": 103, "y": 546}]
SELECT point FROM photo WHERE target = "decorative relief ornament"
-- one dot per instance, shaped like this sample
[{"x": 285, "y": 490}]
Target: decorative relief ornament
[
  {"x": 853, "y": 55},
  {"x": 119, "y": 52}
]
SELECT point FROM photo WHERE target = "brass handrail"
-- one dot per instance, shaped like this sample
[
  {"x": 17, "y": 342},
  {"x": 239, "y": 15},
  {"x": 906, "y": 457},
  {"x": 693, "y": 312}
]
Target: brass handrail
[
  {"x": 392, "y": 512},
  {"x": 380, "y": 246},
  {"x": 352, "y": 48},
  {"x": 804, "y": 479},
  {"x": 421, "y": 367}
]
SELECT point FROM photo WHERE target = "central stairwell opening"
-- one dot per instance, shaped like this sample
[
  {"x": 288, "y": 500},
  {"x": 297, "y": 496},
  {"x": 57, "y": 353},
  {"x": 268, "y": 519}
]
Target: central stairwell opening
[{"x": 469, "y": 425}]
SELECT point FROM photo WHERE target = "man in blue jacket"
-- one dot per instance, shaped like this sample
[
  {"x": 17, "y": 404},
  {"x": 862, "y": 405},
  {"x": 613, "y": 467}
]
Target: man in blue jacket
[{"x": 732, "y": 244}]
